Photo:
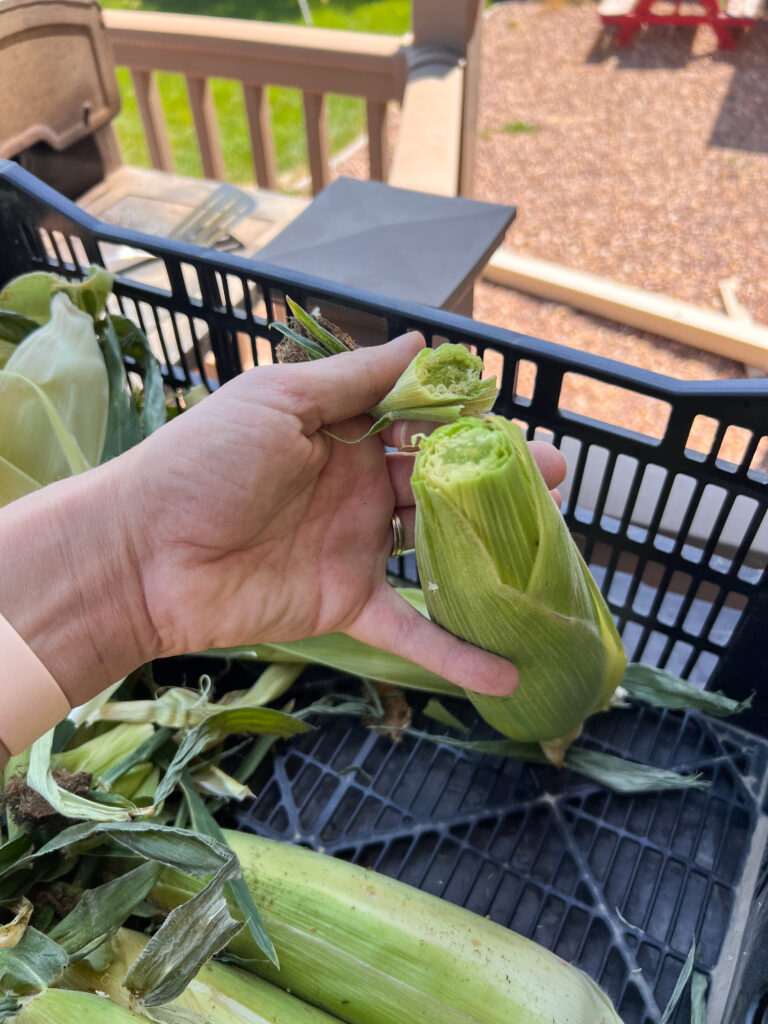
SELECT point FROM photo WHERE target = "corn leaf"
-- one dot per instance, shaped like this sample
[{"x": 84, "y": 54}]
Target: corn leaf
[
  {"x": 345, "y": 654},
  {"x": 32, "y": 965},
  {"x": 81, "y": 714},
  {"x": 62, "y": 734},
  {"x": 64, "y": 359},
  {"x": 134, "y": 345},
  {"x": 203, "y": 822},
  {"x": 14, "y": 483},
  {"x": 30, "y": 295},
  {"x": 446, "y": 380},
  {"x": 246, "y": 719},
  {"x": 40, "y": 778},
  {"x": 271, "y": 684},
  {"x": 440, "y": 713},
  {"x": 318, "y": 332},
  {"x": 100, "y": 754},
  {"x": 215, "y": 782},
  {"x": 26, "y": 411},
  {"x": 660, "y": 689},
  {"x": 14, "y": 327},
  {"x": 9, "y": 1008},
  {"x": 141, "y": 753},
  {"x": 13, "y": 932},
  {"x": 169, "y": 961},
  {"x": 123, "y": 423},
  {"x": 177, "y": 708},
  {"x": 699, "y": 984},
  {"x": 180, "y": 708},
  {"x": 6, "y": 351},
  {"x": 680, "y": 984},
  {"x": 313, "y": 350},
  {"x": 430, "y": 413},
  {"x": 612, "y": 772},
  {"x": 91, "y": 294},
  {"x": 13, "y": 850},
  {"x": 255, "y": 757},
  {"x": 628, "y": 776},
  {"x": 220, "y": 725},
  {"x": 195, "y": 854},
  {"x": 102, "y": 911}
]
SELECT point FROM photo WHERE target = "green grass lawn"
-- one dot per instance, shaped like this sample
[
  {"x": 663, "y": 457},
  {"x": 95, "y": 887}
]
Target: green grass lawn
[{"x": 346, "y": 114}]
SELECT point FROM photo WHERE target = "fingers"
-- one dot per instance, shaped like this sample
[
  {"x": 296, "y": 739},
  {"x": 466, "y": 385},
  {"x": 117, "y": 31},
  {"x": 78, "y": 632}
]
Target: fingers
[
  {"x": 390, "y": 623},
  {"x": 335, "y": 389},
  {"x": 551, "y": 462},
  {"x": 400, "y": 468}
]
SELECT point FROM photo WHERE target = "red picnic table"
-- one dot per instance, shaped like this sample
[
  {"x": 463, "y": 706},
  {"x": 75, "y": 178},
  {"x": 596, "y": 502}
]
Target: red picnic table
[{"x": 630, "y": 15}]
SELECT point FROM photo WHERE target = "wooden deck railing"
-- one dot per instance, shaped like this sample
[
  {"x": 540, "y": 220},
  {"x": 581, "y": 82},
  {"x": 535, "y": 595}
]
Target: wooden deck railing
[{"x": 258, "y": 54}]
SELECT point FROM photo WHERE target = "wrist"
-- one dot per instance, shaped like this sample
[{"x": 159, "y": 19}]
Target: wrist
[{"x": 70, "y": 583}]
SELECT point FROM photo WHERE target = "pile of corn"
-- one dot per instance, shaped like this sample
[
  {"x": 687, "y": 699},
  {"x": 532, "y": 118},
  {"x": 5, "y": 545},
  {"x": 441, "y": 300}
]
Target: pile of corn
[{"x": 316, "y": 940}]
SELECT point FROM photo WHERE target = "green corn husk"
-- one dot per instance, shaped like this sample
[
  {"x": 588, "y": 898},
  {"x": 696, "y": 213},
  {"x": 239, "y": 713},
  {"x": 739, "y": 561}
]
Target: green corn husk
[
  {"x": 500, "y": 569},
  {"x": 219, "y": 994},
  {"x": 345, "y": 654},
  {"x": 439, "y": 384},
  {"x": 58, "y": 1006},
  {"x": 30, "y": 295},
  {"x": 372, "y": 950},
  {"x": 103, "y": 752},
  {"x": 53, "y": 403}
]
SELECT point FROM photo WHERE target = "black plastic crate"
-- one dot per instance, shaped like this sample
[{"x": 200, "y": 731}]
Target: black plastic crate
[{"x": 678, "y": 541}]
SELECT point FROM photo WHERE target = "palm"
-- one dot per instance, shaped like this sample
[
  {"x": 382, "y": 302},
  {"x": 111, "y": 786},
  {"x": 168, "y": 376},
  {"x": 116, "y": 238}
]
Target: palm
[{"x": 293, "y": 559}]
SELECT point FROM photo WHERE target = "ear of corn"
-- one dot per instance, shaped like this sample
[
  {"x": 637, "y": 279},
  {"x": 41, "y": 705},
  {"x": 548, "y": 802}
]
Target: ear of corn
[
  {"x": 220, "y": 994},
  {"x": 500, "y": 569},
  {"x": 439, "y": 384},
  {"x": 375, "y": 951},
  {"x": 58, "y": 1006},
  {"x": 53, "y": 402},
  {"x": 30, "y": 295},
  {"x": 102, "y": 752}
]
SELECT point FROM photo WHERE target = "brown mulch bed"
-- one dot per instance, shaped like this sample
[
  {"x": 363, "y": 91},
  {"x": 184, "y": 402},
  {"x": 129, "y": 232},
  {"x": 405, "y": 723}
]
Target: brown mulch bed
[{"x": 646, "y": 164}]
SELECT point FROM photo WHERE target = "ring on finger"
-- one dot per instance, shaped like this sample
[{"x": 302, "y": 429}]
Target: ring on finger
[{"x": 398, "y": 537}]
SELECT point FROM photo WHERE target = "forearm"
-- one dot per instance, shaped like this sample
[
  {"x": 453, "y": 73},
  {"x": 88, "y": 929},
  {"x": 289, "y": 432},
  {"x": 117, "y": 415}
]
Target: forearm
[{"x": 68, "y": 584}]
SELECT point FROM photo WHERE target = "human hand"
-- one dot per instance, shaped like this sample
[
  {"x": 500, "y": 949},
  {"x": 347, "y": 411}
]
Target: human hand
[
  {"x": 241, "y": 521},
  {"x": 253, "y": 525}
]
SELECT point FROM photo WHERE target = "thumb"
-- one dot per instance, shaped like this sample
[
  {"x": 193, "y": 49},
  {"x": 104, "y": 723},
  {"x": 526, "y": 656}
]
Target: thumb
[
  {"x": 387, "y": 621},
  {"x": 345, "y": 385}
]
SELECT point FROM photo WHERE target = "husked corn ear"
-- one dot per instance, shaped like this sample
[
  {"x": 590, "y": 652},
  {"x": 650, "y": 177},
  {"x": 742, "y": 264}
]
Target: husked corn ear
[
  {"x": 371, "y": 950},
  {"x": 500, "y": 569}
]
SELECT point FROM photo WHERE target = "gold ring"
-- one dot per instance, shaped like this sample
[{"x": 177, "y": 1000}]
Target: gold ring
[{"x": 398, "y": 537}]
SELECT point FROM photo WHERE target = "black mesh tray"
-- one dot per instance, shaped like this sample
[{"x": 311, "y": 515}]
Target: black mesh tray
[{"x": 678, "y": 541}]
